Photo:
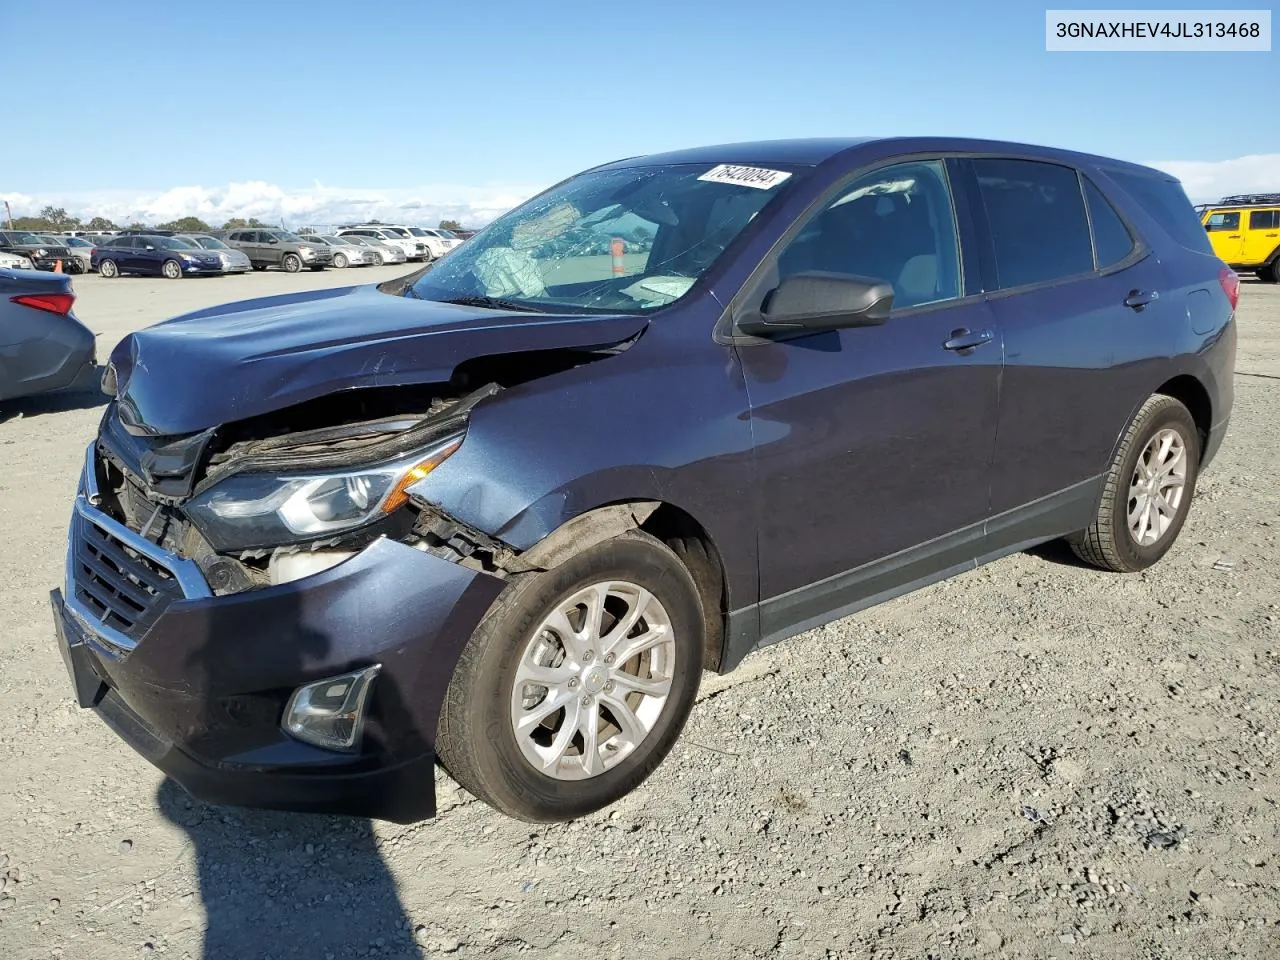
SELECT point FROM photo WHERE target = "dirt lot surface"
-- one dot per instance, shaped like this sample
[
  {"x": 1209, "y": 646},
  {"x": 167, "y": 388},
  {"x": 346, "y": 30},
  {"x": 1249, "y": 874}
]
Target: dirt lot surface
[{"x": 1031, "y": 760}]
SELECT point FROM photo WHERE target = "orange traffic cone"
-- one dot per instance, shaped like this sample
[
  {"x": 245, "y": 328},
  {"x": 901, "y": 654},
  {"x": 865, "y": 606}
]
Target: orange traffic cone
[{"x": 57, "y": 266}]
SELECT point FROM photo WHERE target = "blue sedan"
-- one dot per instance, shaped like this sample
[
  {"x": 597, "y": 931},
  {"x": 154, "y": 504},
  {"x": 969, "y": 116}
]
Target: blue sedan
[{"x": 170, "y": 257}]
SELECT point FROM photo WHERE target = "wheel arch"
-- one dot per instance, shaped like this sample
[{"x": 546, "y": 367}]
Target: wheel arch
[
  {"x": 667, "y": 522},
  {"x": 1191, "y": 393}
]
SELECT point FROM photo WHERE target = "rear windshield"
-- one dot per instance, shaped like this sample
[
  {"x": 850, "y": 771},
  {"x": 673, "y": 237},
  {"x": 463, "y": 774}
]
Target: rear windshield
[{"x": 1166, "y": 202}]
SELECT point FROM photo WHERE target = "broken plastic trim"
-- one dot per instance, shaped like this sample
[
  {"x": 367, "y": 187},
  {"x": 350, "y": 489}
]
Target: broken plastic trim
[{"x": 284, "y": 453}]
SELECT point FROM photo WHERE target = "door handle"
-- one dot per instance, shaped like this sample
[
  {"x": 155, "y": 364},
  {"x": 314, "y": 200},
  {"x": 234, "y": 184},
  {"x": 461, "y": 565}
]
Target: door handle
[
  {"x": 964, "y": 340},
  {"x": 1233, "y": 236},
  {"x": 1137, "y": 299}
]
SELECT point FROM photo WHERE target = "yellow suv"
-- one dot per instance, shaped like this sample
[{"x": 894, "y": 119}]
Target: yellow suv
[{"x": 1245, "y": 232}]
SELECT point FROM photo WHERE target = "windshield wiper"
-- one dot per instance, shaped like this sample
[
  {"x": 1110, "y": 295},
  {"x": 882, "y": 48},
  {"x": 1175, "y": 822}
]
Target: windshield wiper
[{"x": 492, "y": 303}]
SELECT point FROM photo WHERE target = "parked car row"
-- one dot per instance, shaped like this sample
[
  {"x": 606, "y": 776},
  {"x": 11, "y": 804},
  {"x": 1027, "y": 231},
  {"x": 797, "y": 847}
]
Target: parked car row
[{"x": 173, "y": 254}]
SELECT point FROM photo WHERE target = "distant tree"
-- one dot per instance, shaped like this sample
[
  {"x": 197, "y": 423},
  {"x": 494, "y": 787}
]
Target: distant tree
[
  {"x": 100, "y": 223},
  {"x": 58, "y": 219},
  {"x": 32, "y": 223},
  {"x": 239, "y": 223},
  {"x": 450, "y": 225},
  {"x": 186, "y": 225},
  {"x": 137, "y": 225}
]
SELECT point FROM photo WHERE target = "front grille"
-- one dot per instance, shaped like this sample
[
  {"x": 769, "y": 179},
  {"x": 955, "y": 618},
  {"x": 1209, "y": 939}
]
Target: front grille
[{"x": 124, "y": 590}]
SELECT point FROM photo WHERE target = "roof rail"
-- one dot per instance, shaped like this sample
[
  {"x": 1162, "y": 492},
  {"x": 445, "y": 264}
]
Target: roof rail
[{"x": 1246, "y": 199}]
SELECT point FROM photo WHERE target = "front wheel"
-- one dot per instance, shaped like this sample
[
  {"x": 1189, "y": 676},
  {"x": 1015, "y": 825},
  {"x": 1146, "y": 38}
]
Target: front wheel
[
  {"x": 292, "y": 263},
  {"x": 577, "y": 683},
  {"x": 108, "y": 269},
  {"x": 339, "y": 260},
  {"x": 171, "y": 270},
  {"x": 1271, "y": 272},
  {"x": 1147, "y": 492},
  {"x": 379, "y": 259}
]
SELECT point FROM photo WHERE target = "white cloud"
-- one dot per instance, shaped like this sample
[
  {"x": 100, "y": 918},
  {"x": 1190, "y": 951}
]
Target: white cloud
[
  {"x": 1208, "y": 180},
  {"x": 473, "y": 206}
]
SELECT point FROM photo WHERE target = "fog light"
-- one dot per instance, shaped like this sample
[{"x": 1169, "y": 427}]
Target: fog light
[{"x": 330, "y": 713}]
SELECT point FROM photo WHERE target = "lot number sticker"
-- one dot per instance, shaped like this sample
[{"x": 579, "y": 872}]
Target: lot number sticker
[{"x": 757, "y": 177}]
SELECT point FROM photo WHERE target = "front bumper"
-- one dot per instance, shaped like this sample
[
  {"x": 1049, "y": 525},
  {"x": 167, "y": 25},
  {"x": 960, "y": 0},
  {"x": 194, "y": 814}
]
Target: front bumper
[{"x": 201, "y": 691}]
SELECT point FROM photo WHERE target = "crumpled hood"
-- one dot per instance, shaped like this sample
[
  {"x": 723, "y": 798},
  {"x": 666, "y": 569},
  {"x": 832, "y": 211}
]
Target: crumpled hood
[{"x": 244, "y": 359}]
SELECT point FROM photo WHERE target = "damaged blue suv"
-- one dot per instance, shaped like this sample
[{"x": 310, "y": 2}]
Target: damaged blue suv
[{"x": 502, "y": 512}]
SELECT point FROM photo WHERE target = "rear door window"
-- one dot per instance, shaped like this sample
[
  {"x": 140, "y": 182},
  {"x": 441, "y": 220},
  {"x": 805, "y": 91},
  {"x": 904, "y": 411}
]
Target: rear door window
[
  {"x": 1036, "y": 216},
  {"x": 1264, "y": 219}
]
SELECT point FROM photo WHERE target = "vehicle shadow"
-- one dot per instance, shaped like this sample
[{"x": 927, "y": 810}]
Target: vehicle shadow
[
  {"x": 281, "y": 885},
  {"x": 1057, "y": 551},
  {"x": 57, "y": 401}
]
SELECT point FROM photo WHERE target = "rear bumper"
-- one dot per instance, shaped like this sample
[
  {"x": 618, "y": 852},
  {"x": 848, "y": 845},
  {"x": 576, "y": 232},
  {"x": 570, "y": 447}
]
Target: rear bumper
[
  {"x": 202, "y": 693},
  {"x": 63, "y": 359}
]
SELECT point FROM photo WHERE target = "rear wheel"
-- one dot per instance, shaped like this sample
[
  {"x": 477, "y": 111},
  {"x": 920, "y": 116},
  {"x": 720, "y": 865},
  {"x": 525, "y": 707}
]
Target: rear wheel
[
  {"x": 108, "y": 269},
  {"x": 577, "y": 683},
  {"x": 339, "y": 260},
  {"x": 171, "y": 270},
  {"x": 1271, "y": 272},
  {"x": 1148, "y": 490}
]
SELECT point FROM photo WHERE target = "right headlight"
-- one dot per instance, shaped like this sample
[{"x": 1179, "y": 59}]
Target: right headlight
[{"x": 249, "y": 510}]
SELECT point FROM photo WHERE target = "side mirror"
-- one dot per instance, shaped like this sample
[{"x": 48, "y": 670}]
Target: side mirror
[
  {"x": 274, "y": 240},
  {"x": 150, "y": 247},
  {"x": 810, "y": 302}
]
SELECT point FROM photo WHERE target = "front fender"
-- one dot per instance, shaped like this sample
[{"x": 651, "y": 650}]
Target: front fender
[{"x": 666, "y": 420}]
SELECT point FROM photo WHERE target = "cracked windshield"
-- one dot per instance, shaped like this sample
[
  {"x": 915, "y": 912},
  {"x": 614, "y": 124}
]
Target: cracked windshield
[{"x": 629, "y": 240}]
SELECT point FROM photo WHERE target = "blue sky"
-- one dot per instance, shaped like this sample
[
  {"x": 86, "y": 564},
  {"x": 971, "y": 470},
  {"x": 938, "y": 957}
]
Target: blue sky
[{"x": 467, "y": 106}]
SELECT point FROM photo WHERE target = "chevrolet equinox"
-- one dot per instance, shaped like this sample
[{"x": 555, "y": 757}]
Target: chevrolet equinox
[{"x": 502, "y": 512}]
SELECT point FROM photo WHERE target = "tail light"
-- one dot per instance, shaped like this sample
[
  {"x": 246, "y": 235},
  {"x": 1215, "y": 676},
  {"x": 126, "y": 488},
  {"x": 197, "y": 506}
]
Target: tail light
[
  {"x": 1230, "y": 281},
  {"x": 59, "y": 303}
]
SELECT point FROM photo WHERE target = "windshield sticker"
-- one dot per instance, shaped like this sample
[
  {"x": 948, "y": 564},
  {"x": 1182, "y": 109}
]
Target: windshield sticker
[{"x": 757, "y": 177}]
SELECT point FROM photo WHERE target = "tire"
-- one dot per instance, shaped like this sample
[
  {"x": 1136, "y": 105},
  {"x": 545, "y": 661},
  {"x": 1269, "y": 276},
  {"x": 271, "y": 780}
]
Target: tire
[
  {"x": 1110, "y": 542},
  {"x": 1271, "y": 272},
  {"x": 378, "y": 259},
  {"x": 291, "y": 263},
  {"x": 476, "y": 739},
  {"x": 340, "y": 261},
  {"x": 108, "y": 269},
  {"x": 258, "y": 266},
  {"x": 171, "y": 270}
]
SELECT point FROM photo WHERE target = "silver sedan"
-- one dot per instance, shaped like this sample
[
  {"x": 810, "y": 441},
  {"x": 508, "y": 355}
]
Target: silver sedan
[
  {"x": 345, "y": 254},
  {"x": 233, "y": 260},
  {"x": 383, "y": 252}
]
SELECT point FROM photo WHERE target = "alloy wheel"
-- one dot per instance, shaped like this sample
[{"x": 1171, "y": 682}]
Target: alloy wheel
[
  {"x": 593, "y": 680},
  {"x": 1157, "y": 487}
]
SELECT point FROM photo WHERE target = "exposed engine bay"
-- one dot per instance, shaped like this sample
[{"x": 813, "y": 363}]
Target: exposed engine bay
[{"x": 159, "y": 486}]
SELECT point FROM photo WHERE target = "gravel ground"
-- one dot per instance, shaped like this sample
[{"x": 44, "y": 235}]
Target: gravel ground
[{"x": 1031, "y": 760}]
